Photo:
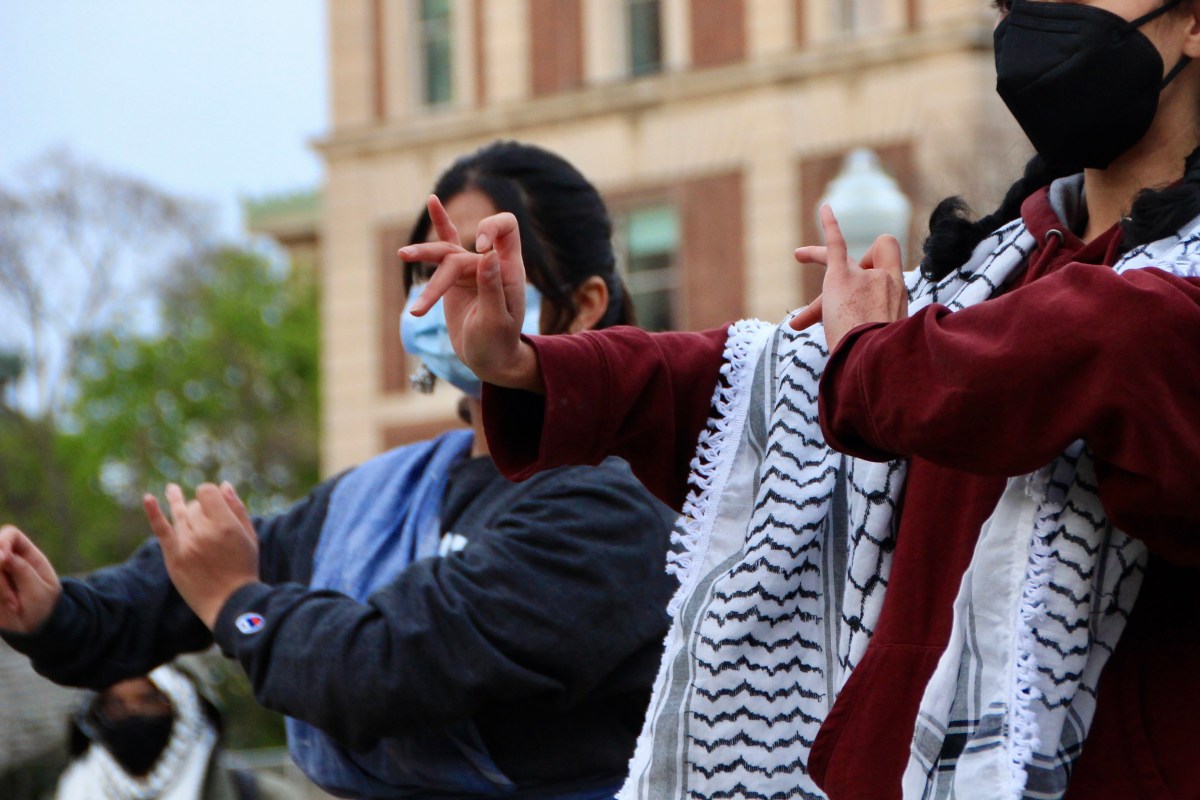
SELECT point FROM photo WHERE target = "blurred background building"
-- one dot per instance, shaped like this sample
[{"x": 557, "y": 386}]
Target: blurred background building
[{"x": 711, "y": 126}]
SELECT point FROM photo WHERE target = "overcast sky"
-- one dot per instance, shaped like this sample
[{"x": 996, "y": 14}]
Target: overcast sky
[{"x": 212, "y": 100}]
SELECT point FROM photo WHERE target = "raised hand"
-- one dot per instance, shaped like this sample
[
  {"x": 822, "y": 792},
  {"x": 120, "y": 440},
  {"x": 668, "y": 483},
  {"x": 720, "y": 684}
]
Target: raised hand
[
  {"x": 484, "y": 297},
  {"x": 29, "y": 586},
  {"x": 853, "y": 293},
  {"x": 210, "y": 547}
]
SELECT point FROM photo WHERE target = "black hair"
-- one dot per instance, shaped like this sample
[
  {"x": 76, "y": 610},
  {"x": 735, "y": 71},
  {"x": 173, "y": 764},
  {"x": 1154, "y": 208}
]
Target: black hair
[
  {"x": 953, "y": 235},
  {"x": 1157, "y": 213},
  {"x": 566, "y": 233},
  {"x": 1154, "y": 214}
]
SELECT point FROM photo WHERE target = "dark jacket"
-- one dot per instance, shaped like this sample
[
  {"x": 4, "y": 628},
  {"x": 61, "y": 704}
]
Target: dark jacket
[{"x": 545, "y": 630}]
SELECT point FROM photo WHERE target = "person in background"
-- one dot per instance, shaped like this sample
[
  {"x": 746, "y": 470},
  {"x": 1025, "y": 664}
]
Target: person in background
[
  {"x": 429, "y": 628},
  {"x": 157, "y": 737}
]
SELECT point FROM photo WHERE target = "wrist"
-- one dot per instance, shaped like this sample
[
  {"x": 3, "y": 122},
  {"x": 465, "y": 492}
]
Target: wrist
[
  {"x": 525, "y": 372},
  {"x": 210, "y": 609}
]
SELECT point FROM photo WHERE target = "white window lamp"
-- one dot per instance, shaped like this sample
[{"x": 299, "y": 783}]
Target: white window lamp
[{"x": 867, "y": 202}]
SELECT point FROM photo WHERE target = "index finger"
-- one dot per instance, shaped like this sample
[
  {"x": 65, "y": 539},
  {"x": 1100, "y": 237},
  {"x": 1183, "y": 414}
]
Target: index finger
[
  {"x": 835, "y": 243},
  {"x": 456, "y": 267},
  {"x": 441, "y": 221}
]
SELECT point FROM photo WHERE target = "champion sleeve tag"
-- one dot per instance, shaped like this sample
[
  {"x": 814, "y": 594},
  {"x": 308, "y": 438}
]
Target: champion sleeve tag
[{"x": 250, "y": 623}]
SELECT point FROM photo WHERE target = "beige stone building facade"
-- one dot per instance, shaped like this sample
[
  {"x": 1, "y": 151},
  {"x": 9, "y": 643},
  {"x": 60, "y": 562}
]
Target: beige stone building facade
[{"x": 711, "y": 126}]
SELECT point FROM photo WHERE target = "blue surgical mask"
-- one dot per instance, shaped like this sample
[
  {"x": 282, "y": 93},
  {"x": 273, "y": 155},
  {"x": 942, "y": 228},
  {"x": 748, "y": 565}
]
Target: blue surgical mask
[{"x": 428, "y": 339}]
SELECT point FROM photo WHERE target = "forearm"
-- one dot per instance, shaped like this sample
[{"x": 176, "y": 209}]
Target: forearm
[
  {"x": 360, "y": 673},
  {"x": 643, "y": 397},
  {"x": 117, "y": 623},
  {"x": 1003, "y": 387},
  {"x": 563, "y": 585}
]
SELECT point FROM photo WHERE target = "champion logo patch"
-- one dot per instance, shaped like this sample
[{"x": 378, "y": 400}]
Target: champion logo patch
[{"x": 250, "y": 623}]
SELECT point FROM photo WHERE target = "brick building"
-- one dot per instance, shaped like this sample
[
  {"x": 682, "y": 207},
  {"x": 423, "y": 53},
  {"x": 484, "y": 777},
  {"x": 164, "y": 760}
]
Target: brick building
[{"x": 711, "y": 126}]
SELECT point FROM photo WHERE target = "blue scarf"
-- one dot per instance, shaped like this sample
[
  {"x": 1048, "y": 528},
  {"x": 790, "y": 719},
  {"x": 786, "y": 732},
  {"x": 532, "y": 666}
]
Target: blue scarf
[{"x": 383, "y": 516}]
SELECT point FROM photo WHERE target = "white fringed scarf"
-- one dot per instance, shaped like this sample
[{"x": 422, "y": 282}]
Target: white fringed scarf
[
  {"x": 787, "y": 551},
  {"x": 179, "y": 772}
]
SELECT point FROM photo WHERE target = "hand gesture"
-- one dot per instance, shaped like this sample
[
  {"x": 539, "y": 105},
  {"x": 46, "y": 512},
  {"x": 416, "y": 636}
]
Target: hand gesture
[
  {"x": 484, "y": 297},
  {"x": 210, "y": 548},
  {"x": 853, "y": 293},
  {"x": 29, "y": 586}
]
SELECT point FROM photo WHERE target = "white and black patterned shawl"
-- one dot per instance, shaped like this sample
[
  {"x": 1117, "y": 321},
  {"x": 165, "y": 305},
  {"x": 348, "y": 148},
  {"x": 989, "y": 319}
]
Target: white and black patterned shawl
[{"x": 787, "y": 551}]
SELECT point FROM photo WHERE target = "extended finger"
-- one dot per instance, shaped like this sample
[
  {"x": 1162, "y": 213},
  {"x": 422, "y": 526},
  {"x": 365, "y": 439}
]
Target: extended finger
[
  {"x": 452, "y": 270},
  {"x": 179, "y": 508},
  {"x": 238, "y": 508},
  {"x": 835, "y": 243},
  {"x": 159, "y": 523},
  {"x": 811, "y": 254},
  {"x": 441, "y": 221},
  {"x": 433, "y": 252},
  {"x": 807, "y": 316}
]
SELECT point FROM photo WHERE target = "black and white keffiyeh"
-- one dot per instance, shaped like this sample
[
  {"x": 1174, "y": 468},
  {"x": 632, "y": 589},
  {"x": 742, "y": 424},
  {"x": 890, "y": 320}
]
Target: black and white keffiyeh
[
  {"x": 786, "y": 554},
  {"x": 179, "y": 772}
]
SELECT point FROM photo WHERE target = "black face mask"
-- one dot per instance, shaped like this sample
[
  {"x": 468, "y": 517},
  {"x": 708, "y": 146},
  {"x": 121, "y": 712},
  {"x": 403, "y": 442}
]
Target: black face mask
[
  {"x": 135, "y": 742},
  {"x": 1082, "y": 82}
]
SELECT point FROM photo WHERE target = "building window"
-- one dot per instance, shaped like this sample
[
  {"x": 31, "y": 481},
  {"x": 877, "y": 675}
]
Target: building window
[
  {"x": 434, "y": 27},
  {"x": 648, "y": 245},
  {"x": 643, "y": 25},
  {"x": 857, "y": 16}
]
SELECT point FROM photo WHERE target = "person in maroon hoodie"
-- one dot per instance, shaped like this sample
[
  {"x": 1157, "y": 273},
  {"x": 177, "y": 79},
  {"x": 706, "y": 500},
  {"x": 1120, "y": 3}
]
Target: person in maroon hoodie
[{"x": 1089, "y": 335}]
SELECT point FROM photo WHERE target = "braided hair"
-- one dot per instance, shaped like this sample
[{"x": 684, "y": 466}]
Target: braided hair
[
  {"x": 1155, "y": 214},
  {"x": 953, "y": 235}
]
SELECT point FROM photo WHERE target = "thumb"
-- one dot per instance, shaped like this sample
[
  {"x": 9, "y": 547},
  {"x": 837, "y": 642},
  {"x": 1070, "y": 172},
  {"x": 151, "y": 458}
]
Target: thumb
[{"x": 807, "y": 316}]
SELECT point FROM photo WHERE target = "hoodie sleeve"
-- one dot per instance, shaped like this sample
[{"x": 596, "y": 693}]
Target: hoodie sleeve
[{"x": 1002, "y": 387}]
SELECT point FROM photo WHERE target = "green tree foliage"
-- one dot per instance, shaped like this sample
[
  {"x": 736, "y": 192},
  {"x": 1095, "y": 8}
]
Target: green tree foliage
[
  {"x": 50, "y": 492},
  {"x": 133, "y": 354},
  {"x": 226, "y": 391}
]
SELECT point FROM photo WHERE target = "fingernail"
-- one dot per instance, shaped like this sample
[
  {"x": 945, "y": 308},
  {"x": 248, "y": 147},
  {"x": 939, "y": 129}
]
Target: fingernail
[
  {"x": 482, "y": 243},
  {"x": 405, "y": 251}
]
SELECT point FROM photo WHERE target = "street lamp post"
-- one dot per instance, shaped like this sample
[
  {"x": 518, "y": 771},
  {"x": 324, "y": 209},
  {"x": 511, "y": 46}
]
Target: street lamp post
[{"x": 867, "y": 203}]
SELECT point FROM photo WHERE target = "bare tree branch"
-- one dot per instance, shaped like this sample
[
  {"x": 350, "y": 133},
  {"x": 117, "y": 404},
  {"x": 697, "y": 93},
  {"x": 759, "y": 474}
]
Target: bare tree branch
[{"x": 83, "y": 248}]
